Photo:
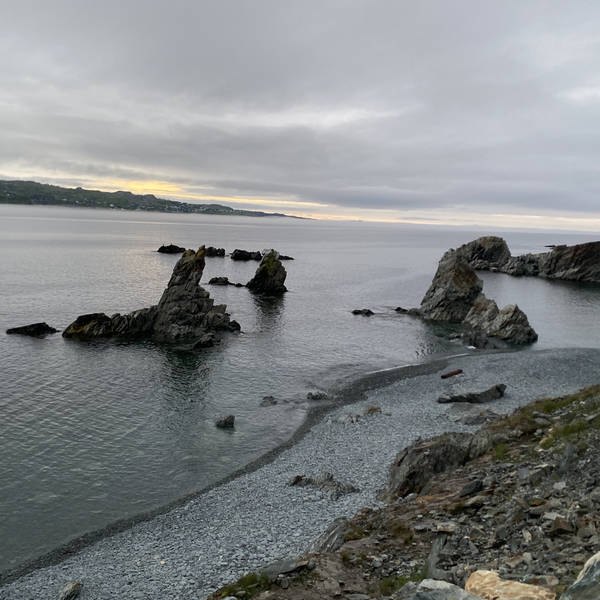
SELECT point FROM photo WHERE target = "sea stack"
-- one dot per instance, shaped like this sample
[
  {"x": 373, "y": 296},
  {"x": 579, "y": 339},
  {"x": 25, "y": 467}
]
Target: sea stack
[
  {"x": 185, "y": 314},
  {"x": 269, "y": 277}
]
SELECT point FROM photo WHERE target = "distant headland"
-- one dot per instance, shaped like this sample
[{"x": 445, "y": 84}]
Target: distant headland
[{"x": 31, "y": 192}]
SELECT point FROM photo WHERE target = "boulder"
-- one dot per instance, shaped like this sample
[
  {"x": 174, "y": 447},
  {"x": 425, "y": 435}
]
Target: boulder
[
  {"x": 587, "y": 584},
  {"x": 489, "y": 586},
  {"x": 269, "y": 277},
  {"x": 493, "y": 393},
  {"x": 509, "y": 324},
  {"x": 238, "y": 254},
  {"x": 453, "y": 290},
  {"x": 227, "y": 422},
  {"x": 69, "y": 591},
  {"x": 35, "y": 329},
  {"x": 432, "y": 589},
  {"x": 212, "y": 251},
  {"x": 185, "y": 313},
  {"x": 171, "y": 249}
]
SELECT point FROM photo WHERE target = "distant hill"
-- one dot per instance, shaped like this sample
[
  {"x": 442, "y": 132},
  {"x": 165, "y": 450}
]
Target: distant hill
[{"x": 30, "y": 192}]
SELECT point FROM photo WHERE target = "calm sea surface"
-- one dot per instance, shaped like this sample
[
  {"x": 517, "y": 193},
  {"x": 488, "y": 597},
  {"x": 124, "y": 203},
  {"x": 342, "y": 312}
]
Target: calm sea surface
[{"x": 94, "y": 432}]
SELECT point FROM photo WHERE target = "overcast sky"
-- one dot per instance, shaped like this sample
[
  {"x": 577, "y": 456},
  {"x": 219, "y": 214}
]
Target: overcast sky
[{"x": 470, "y": 112}]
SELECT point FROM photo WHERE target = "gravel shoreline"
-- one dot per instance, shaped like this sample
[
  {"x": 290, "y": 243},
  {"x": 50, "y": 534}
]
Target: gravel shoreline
[{"x": 256, "y": 518}]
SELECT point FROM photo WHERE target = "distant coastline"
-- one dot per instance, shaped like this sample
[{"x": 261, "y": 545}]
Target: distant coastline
[{"x": 42, "y": 194}]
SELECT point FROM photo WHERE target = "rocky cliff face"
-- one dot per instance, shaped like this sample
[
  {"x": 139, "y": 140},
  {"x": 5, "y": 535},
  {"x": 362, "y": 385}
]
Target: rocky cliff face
[
  {"x": 455, "y": 296},
  {"x": 185, "y": 313},
  {"x": 270, "y": 276},
  {"x": 574, "y": 263}
]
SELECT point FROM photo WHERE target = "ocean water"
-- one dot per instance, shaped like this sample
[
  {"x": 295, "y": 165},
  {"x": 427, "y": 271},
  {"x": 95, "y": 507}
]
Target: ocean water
[{"x": 95, "y": 432}]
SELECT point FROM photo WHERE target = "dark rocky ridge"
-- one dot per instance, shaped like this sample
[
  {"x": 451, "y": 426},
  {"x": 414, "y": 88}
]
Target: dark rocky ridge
[
  {"x": 455, "y": 296},
  {"x": 580, "y": 262},
  {"x": 185, "y": 314},
  {"x": 35, "y": 330},
  {"x": 171, "y": 249}
]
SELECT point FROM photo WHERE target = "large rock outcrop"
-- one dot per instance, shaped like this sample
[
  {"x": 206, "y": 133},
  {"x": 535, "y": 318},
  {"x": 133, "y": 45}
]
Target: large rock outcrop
[
  {"x": 580, "y": 262},
  {"x": 455, "y": 296},
  {"x": 270, "y": 276},
  {"x": 184, "y": 315},
  {"x": 453, "y": 290}
]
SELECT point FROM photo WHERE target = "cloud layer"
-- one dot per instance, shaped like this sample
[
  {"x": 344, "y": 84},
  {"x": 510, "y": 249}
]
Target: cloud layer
[{"x": 379, "y": 109}]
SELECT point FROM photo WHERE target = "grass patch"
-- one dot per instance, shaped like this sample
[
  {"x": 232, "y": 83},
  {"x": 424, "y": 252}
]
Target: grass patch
[
  {"x": 564, "y": 432},
  {"x": 401, "y": 531},
  {"x": 356, "y": 532},
  {"x": 500, "y": 451},
  {"x": 251, "y": 583},
  {"x": 388, "y": 585}
]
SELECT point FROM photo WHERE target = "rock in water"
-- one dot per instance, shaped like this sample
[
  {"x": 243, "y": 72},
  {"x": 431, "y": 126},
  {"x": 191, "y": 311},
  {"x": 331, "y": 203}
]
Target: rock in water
[
  {"x": 170, "y": 249},
  {"x": 212, "y": 251},
  {"x": 185, "y": 313},
  {"x": 587, "y": 584},
  {"x": 238, "y": 254},
  {"x": 453, "y": 290},
  {"x": 227, "y": 422},
  {"x": 269, "y": 277},
  {"x": 580, "y": 262},
  {"x": 35, "y": 329}
]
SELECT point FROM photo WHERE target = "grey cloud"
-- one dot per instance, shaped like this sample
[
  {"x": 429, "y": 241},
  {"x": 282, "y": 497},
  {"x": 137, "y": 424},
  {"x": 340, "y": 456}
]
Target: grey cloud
[{"x": 354, "y": 104}]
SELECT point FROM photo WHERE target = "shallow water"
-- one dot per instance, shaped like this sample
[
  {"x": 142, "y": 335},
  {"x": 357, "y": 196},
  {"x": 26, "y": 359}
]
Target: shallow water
[{"x": 96, "y": 432}]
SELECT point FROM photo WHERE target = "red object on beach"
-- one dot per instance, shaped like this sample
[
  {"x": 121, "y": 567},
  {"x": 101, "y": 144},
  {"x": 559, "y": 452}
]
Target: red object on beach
[{"x": 452, "y": 373}]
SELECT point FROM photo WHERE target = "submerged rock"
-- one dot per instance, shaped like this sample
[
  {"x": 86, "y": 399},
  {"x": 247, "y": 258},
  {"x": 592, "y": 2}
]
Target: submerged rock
[
  {"x": 220, "y": 281},
  {"x": 185, "y": 313},
  {"x": 269, "y": 277},
  {"x": 238, "y": 254},
  {"x": 171, "y": 249},
  {"x": 35, "y": 329},
  {"x": 365, "y": 312}
]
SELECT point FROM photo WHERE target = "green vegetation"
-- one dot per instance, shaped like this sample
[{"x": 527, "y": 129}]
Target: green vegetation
[
  {"x": 251, "y": 584},
  {"x": 389, "y": 585},
  {"x": 30, "y": 192}
]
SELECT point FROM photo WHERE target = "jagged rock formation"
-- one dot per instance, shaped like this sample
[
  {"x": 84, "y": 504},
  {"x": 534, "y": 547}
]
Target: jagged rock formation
[
  {"x": 35, "y": 330},
  {"x": 185, "y": 313},
  {"x": 455, "y": 296},
  {"x": 575, "y": 263},
  {"x": 270, "y": 276}
]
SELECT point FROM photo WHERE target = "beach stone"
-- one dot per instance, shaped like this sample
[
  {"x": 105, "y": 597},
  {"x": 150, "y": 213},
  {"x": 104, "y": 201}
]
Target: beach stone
[
  {"x": 326, "y": 483},
  {"x": 433, "y": 589},
  {"x": 489, "y": 586},
  {"x": 587, "y": 584},
  {"x": 70, "y": 591},
  {"x": 35, "y": 329},
  {"x": 227, "y": 422}
]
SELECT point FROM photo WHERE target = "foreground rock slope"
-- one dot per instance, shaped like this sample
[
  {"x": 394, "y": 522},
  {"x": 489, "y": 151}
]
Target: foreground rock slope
[
  {"x": 184, "y": 315},
  {"x": 580, "y": 262},
  {"x": 509, "y": 512}
]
